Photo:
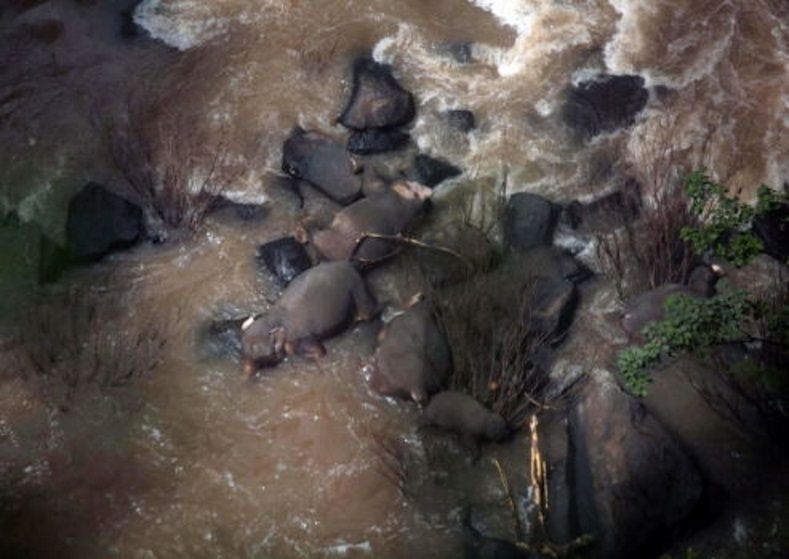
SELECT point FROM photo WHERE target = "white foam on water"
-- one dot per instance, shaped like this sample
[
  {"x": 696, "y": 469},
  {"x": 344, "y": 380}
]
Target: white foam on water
[
  {"x": 629, "y": 41},
  {"x": 183, "y": 24},
  {"x": 513, "y": 13}
]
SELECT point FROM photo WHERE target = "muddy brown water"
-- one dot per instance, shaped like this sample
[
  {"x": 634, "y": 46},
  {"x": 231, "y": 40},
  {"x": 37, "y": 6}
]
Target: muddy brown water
[{"x": 191, "y": 461}]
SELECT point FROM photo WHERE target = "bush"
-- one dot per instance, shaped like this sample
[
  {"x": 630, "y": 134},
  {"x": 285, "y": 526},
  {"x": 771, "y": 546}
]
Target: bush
[
  {"x": 724, "y": 221},
  {"x": 494, "y": 349},
  {"x": 701, "y": 328},
  {"x": 650, "y": 251},
  {"x": 65, "y": 346},
  {"x": 170, "y": 156}
]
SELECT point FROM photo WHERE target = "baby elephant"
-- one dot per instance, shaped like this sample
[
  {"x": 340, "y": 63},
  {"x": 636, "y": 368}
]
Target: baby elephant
[
  {"x": 462, "y": 414},
  {"x": 413, "y": 358},
  {"x": 388, "y": 211},
  {"x": 316, "y": 305}
]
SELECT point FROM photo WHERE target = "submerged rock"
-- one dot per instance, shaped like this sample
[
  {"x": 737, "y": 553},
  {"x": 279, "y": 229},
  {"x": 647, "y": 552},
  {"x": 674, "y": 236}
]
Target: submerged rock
[
  {"x": 284, "y": 258},
  {"x": 529, "y": 221},
  {"x": 606, "y": 213},
  {"x": 460, "y": 51},
  {"x": 461, "y": 119},
  {"x": 376, "y": 140},
  {"x": 377, "y": 100},
  {"x": 431, "y": 171},
  {"x": 100, "y": 222},
  {"x": 604, "y": 104},
  {"x": 324, "y": 163},
  {"x": 224, "y": 207},
  {"x": 631, "y": 482},
  {"x": 222, "y": 338}
]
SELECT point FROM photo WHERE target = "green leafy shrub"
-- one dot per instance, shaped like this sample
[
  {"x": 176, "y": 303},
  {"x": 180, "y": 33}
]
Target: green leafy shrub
[
  {"x": 691, "y": 324},
  {"x": 725, "y": 221},
  {"x": 696, "y": 325}
]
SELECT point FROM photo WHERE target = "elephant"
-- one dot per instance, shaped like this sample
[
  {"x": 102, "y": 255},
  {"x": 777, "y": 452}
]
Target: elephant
[
  {"x": 386, "y": 211},
  {"x": 318, "y": 304},
  {"x": 413, "y": 358}
]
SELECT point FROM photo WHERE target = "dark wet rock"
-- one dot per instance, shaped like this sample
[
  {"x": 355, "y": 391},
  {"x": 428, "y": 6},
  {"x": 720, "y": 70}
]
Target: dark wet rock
[
  {"x": 284, "y": 191},
  {"x": 376, "y": 140},
  {"x": 377, "y": 99},
  {"x": 606, "y": 213},
  {"x": 284, "y": 259},
  {"x": 604, "y": 104},
  {"x": 649, "y": 307},
  {"x": 529, "y": 221},
  {"x": 243, "y": 211},
  {"x": 222, "y": 338},
  {"x": 323, "y": 163},
  {"x": 460, "y": 413},
  {"x": 631, "y": 482},
  {"x": 773, "y": 230},
  {"x": 431, "y": 171},
  {"x": 100, "y": 222},
  {"x": 762, "y": 276},
  {"x": 554, "y": 302},
  {"x": 461, "y": 119}
]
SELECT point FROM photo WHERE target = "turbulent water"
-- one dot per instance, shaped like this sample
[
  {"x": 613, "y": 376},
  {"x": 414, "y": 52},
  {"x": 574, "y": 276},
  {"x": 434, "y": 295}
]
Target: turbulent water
[{"x": 189, "y": 460}]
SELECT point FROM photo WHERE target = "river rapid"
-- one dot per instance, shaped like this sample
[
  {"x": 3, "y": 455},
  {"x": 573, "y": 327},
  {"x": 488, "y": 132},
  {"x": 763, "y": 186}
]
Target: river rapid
[{"x": 189, "y": 460}]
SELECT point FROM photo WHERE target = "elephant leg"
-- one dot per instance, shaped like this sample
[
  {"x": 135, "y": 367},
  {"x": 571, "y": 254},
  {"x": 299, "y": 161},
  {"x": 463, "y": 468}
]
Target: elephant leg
[{"x": 366, "y": 307}]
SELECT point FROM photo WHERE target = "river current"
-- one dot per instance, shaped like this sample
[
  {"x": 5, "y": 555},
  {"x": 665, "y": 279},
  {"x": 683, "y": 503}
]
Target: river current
[{"x": 191, "y": 461}]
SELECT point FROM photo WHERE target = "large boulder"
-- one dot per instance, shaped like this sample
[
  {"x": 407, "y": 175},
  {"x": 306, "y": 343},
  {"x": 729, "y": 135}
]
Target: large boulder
[
  {"x": 604, "y": 104},
  {"x": 284, "y": 259},
  {"x": 376, "y": 140},
  {"x": 631, "y": 482},
  {"x": 100, "y": 222},
  {"x": 529, "y": 221},
  {"x": 377, "y": 100},
  {"x": 432, "y": 171},
  {"x": 324, "y": 163}
]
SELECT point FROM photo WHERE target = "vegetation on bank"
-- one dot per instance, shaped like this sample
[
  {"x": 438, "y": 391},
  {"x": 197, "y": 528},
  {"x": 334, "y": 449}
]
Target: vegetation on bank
[{"x": 731, "y": 318}]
